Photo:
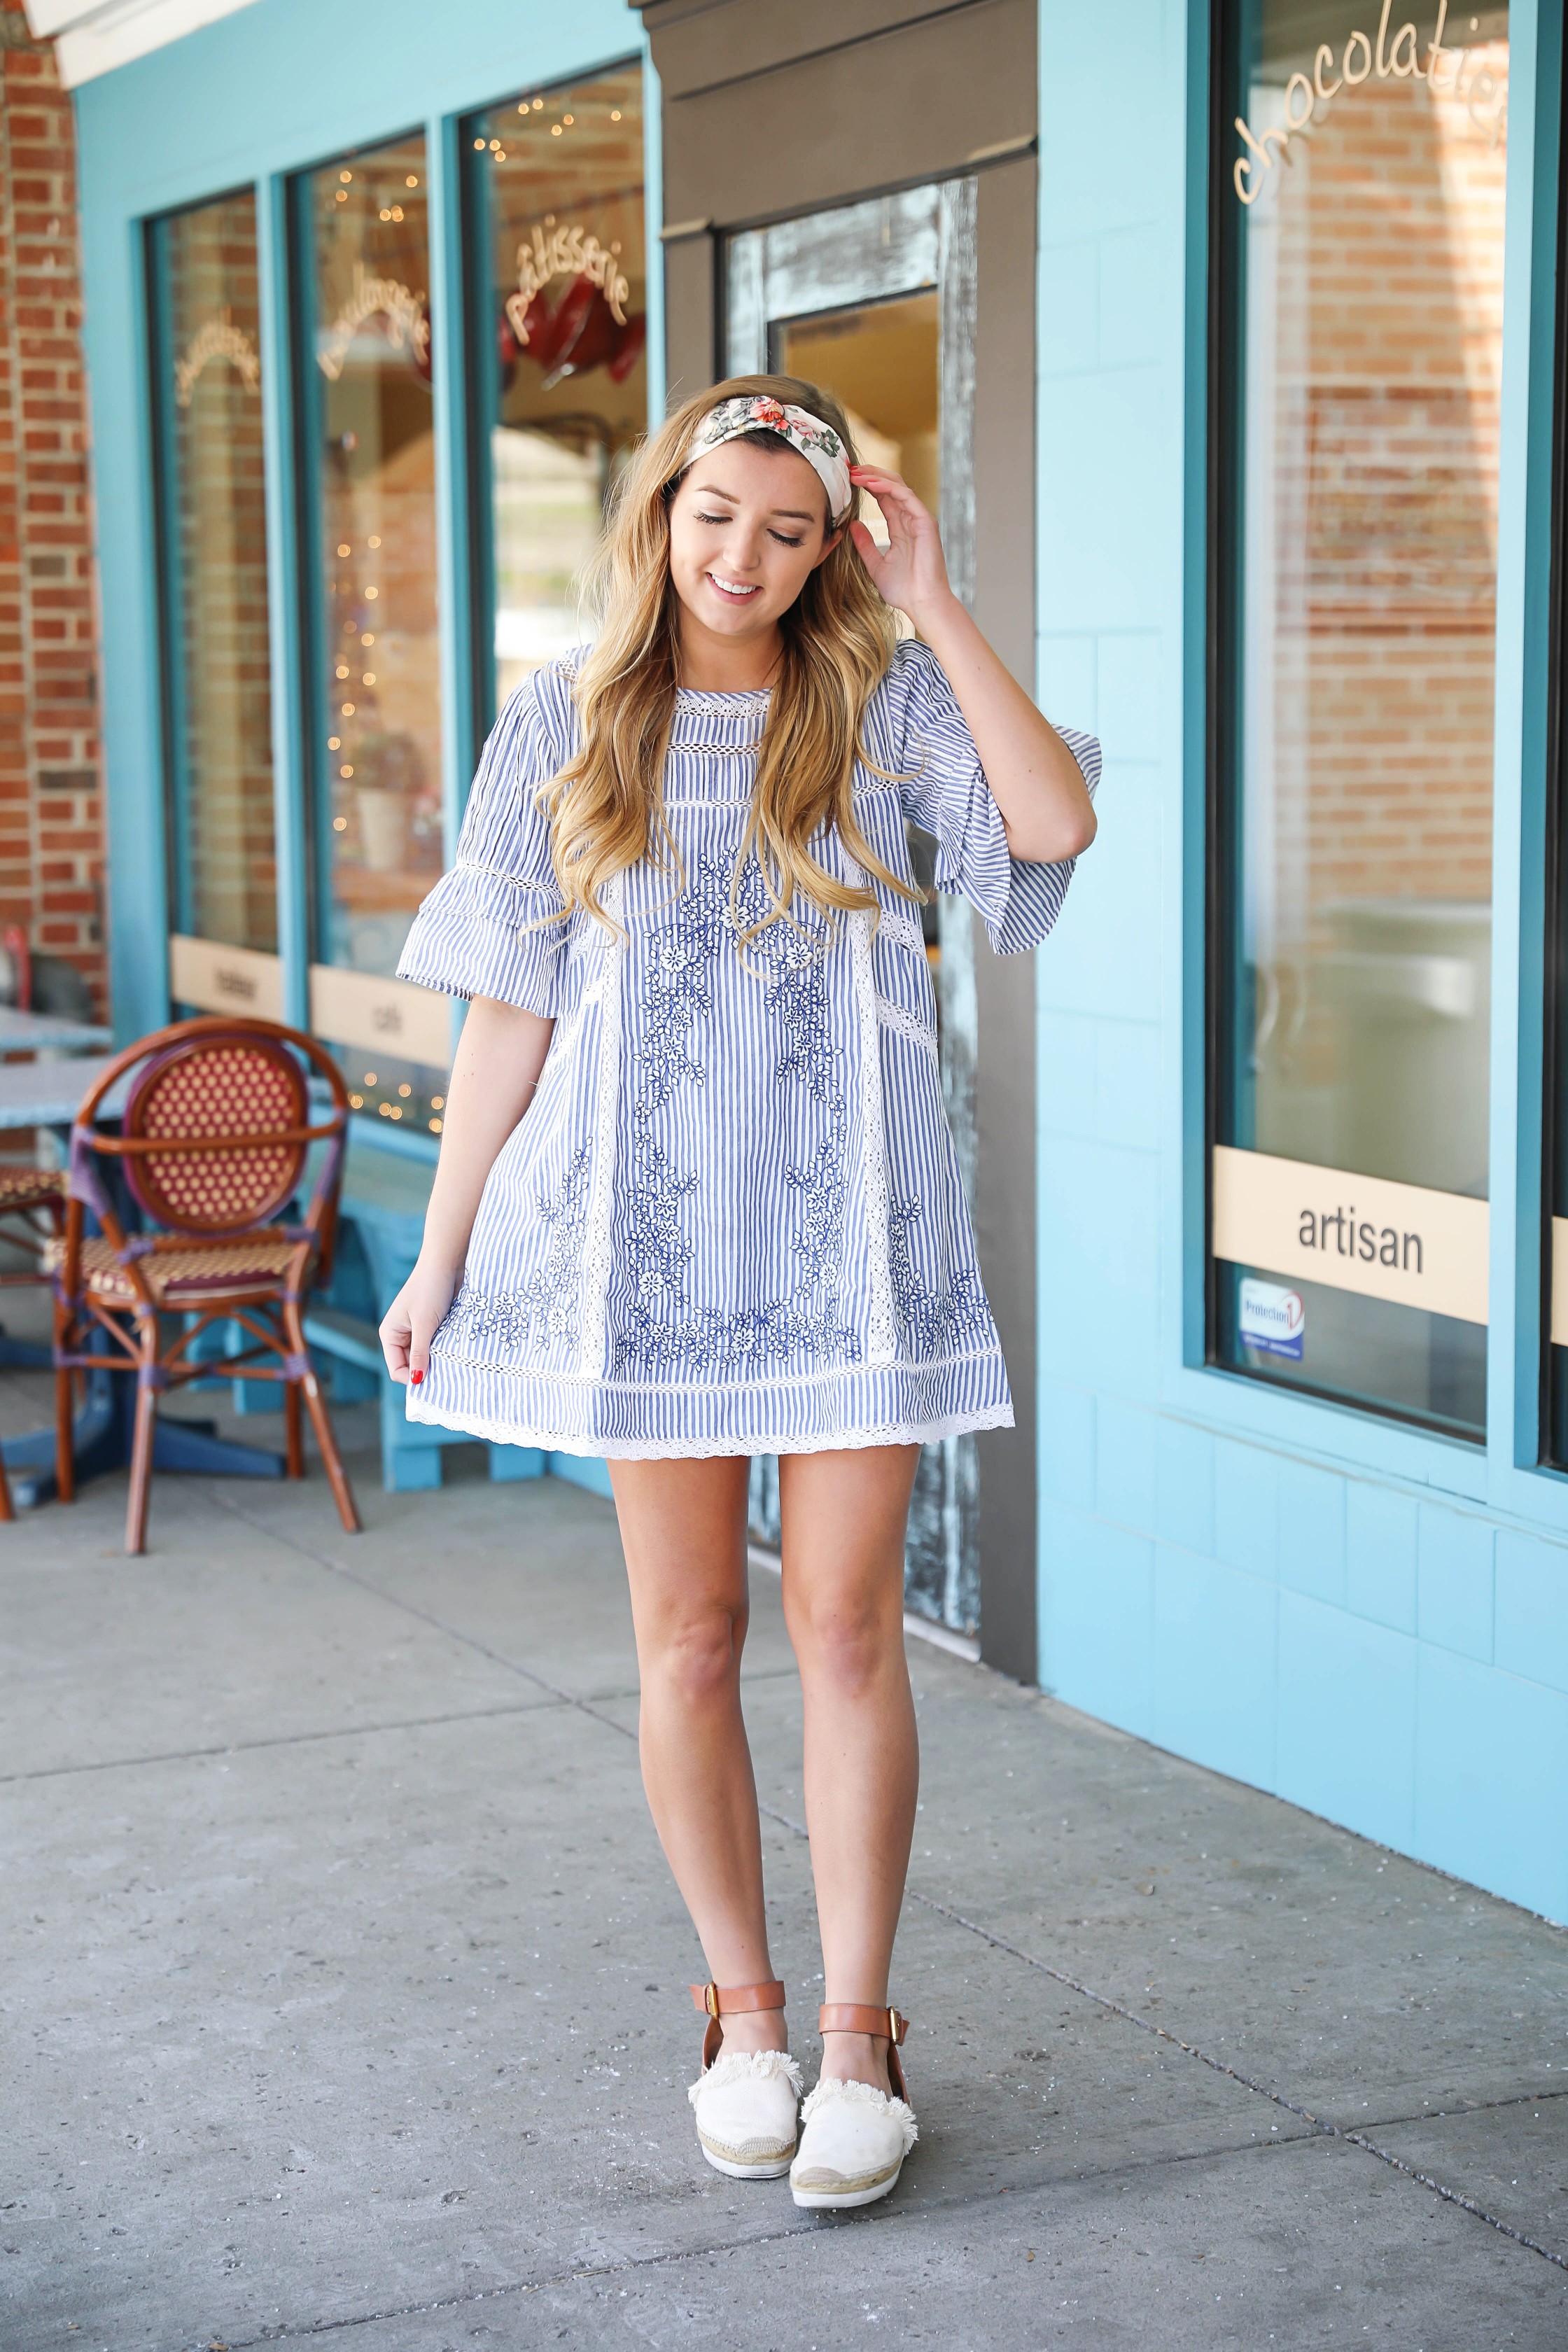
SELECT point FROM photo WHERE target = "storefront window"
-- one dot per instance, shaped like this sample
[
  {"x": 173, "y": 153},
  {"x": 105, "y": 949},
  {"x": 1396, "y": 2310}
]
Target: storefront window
[
  {"x": 555, "y": 186},
  {"x": 1355, "y": 431},
  {"x": 213, "y": 552},
  {"x": 367, "y": 406}
]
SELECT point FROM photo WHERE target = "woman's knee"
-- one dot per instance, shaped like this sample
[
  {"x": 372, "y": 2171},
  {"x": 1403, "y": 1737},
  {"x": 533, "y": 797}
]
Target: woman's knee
[
  {"x": 694, "y": 1654},
  {"x": 848, "y": 1643}
]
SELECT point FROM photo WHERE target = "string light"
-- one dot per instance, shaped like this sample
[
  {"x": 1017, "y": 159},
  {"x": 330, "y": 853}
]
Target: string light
[
  {"x": 345, "y": 774},
  {"x": 345, "y": 177},
  {"x": 568, "y": 120},
  {"x": 615, "y": 114},
  {"x": 342, "y": 669},
  {"x": 356, "y": 1102},
  {"x": 340, "y": 824},
  {"x": 334, "y": 742},
  {"x": 347, "y": 710},
  {"x": 370, "y": 1078},
  {"x": 372, "y": 542},
  {"x": 437, "y": 1102},
  {"x": 405, "y": 1091},
  {"x": 435, "y": 1127},
  {"x": 344, "y": 549},
  {"x": 369, "y": 678},
  {"x": 412, "y": 181},
  {"x": 371, "y": 594},
  {"x": 367, "y": 641},
  {"x": 555, "y": 130},
  {"x": 480, "y": 145}
]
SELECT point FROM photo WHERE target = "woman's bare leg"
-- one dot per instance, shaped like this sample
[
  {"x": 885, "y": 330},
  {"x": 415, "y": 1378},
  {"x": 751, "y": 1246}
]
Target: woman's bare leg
[
  {"x": 845, "y": 1516},
  {"x": 683, "y": 1529}
]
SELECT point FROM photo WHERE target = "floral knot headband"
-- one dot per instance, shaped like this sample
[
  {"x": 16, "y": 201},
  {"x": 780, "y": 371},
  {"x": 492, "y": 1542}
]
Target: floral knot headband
[{"x": 817, "y": 443}]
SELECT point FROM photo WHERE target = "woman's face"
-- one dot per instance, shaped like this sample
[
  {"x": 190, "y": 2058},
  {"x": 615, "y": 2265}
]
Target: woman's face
[{"x": 748, "y": 526}]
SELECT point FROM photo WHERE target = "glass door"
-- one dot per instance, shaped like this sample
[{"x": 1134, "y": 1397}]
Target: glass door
[{"x": 876, "y": 302}]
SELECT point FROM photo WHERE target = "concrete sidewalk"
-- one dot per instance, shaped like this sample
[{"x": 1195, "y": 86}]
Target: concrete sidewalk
[{"x": 344, "y": 1989}]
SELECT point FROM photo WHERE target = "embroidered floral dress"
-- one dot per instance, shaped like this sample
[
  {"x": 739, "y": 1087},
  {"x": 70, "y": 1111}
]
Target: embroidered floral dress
[{"x": 731, "y": 1221}]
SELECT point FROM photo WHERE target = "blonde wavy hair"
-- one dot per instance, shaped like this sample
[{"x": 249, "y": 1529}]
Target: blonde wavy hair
[{"x": 605, "y": 808}]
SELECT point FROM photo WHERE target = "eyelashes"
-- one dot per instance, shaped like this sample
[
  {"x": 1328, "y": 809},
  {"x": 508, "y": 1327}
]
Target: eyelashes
[{"x": 783, "y": 537}]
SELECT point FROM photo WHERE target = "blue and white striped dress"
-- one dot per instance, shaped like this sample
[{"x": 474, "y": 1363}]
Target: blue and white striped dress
[{"x": 731, "y": 1219}]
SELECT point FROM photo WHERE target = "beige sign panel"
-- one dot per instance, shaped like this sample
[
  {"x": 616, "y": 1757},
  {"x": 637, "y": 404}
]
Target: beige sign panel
[
  {"x": 1560, "y": 1282},
  {"x": 355, "y": 1008},
  {"x": 226, "y": 980},
  {"x": 1389, "y": 1240}
]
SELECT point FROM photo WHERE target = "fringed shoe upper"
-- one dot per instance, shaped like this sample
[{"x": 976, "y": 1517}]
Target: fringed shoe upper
[
  {"x": 746, "y": 2101},
  {"x": 854, "y": 2138}
]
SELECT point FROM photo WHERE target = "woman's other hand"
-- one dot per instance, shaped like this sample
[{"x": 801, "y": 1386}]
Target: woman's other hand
[
  {"x": 413, "y": 1319},
  {"x": 910, "y": 572}
]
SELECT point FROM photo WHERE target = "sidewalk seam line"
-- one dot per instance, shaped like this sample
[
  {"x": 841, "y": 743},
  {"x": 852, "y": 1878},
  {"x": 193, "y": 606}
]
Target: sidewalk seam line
[
  {"x": 284, "y": 1739},
  {"x": 868, "y": 2218},
  {"x": 1291, "y": 2107}
]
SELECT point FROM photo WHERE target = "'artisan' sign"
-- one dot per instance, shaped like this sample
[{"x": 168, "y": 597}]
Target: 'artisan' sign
[{"x": 1399, "y": 1242}]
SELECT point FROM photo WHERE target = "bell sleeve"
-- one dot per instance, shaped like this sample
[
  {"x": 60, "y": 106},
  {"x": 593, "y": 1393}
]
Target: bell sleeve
[
  {"x": 494, "y": 925},
  {"x": 943, "y": 790}
]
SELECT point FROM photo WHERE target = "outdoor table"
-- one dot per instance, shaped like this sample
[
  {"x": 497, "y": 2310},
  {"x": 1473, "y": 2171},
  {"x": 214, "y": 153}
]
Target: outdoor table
[
  {"x": 46, "y": 1094},
  {"x": 47, "y": 1033}
]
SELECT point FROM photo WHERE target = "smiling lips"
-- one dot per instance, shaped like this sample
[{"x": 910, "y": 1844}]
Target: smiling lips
[{"x": 736, "y": 590}]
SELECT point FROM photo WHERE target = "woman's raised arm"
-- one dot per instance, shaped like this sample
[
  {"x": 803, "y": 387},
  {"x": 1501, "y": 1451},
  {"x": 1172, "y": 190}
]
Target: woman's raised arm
[{"x": 1035, "y": 780}]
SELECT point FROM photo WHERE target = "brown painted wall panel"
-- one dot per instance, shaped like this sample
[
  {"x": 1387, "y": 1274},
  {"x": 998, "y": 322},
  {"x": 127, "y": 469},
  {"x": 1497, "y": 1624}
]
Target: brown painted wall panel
[
  {"x": 907, "y": 105},
  {"x": 1005, "y": 1082},
  {"x": 704, "y": 42}
]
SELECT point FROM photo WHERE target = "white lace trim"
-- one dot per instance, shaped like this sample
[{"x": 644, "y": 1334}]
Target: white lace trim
[
  {"x": 881, "y": 1323},
  {"x": 597, "y": 1254},
  {"x": 861, "y": 2094},
  {"x": 903, "y": 931},
  {"x": 749, "y": 2065},
  {"x": 713, "y": 1449},
  {"x": 908, "y": 1024}
]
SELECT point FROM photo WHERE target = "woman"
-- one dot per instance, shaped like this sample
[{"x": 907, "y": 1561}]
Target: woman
[{"x": 697, "y": 1198}]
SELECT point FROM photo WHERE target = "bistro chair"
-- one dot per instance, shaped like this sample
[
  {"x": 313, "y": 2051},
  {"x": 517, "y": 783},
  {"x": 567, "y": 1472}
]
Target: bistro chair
[
  {"x": 32, "y": 1217},
  {"x": 213, "y": 1148}
]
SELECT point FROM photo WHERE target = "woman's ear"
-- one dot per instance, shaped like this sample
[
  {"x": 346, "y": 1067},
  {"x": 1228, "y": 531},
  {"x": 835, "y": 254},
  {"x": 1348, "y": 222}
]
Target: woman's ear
[{"x": 828, "y": 544}]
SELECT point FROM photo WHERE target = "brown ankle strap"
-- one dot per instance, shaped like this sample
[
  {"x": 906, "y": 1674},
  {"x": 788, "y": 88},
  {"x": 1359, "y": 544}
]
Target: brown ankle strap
[
  {"x": 718, "y": 2001},
  {"x": 728, "y": 2001},
  {"x": 856, "y": 2017}
]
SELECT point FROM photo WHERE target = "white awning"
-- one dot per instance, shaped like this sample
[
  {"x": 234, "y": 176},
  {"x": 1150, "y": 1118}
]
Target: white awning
[{"x": 93, "y": 37}]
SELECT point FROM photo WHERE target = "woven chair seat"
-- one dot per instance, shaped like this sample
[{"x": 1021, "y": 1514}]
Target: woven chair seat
[
  {"x": 183, "y": 1277},
  {"x": 32, "y": 1188}
]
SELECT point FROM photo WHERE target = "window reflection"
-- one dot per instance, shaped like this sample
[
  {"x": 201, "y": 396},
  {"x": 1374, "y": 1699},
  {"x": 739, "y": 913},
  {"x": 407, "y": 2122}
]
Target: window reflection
[
  {"x": 1363, "y": 333},
  {"x": 557, "y": 180},
  {"x": 213, "y": 564},
  {"x": 377, "y": 699}
]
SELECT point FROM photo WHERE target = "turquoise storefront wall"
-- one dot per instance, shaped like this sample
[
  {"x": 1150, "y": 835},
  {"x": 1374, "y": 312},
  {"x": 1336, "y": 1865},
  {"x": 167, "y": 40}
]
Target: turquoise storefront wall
[{"x": 1369, "y": 1621}]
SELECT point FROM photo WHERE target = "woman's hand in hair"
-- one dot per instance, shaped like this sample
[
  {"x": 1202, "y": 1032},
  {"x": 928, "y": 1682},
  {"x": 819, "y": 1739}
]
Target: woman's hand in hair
[{"x": 910, "y": 572}]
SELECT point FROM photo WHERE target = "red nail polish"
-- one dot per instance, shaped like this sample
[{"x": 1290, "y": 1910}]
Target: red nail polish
[{"x": 414, "y": 1379}]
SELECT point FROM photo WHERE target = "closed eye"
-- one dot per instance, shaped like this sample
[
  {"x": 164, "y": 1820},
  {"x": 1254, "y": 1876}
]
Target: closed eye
[{"x": 782, "y": 537}]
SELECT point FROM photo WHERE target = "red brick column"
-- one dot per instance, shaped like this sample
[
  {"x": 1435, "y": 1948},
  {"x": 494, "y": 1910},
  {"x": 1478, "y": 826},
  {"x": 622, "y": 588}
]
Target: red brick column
[{"x": 51, "y": 810}]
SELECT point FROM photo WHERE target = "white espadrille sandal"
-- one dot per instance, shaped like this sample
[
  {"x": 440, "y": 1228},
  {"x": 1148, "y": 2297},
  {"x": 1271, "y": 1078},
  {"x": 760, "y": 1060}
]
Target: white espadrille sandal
[
  {"x": 746, "y": 2102},
  {"x": 854, "y": 2137}
]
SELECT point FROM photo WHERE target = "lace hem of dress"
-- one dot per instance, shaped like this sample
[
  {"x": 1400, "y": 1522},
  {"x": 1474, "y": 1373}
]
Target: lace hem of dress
[{"x": 711, "y": 1449}]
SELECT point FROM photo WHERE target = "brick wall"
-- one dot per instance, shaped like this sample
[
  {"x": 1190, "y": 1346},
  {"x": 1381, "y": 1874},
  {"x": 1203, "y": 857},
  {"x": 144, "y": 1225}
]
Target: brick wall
[{"x": 51, "y": 811}]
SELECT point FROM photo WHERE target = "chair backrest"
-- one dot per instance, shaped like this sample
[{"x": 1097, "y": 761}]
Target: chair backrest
[{"x": 242, "y": 1098}]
